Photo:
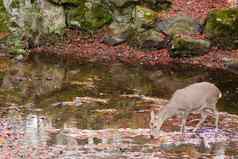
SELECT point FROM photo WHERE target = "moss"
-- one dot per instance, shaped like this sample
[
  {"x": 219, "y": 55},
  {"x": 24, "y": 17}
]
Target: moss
[
  {"x": 15, "y": 45},
  {"x": 143, "y": 15},
  {"x": 89, "y": 18},
  {"x": 183, "y": 46},
  {"x": 75, "y": 2},
  {"x": 15, "y": 4},
  {"x": 158, "y": 5},
  {"x": 72, "y": 2},
  {"x": 3, "y": 18},
  {"x": 221, "y": 28}
]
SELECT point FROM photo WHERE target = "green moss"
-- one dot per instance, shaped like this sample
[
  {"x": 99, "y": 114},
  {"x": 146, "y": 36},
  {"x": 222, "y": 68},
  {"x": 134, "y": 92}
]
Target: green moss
[
  {"x": 183, "y": 46},
  {"x": 16, "y": 45},
  {"x": 72, "y": 2},
  {"x": 221, "y": 28},
  {"x": 143, "y": 15},
  {"x": 3, "y": 18},
  {"x": 76, "y": 2},
  {"x": 89, "y": 18},
  {"x": 15, "y": 4}
]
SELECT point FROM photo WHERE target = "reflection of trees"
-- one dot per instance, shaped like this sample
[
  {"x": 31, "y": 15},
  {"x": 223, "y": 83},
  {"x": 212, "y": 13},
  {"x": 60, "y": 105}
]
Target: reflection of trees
[
  {"x": 31, "y": 80},
  {"x": 35, "y": 130}
]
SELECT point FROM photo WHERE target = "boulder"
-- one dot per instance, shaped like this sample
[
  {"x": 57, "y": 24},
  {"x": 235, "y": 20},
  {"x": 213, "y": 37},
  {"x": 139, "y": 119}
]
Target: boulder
[
  {"x": 53, "y": 17},
  {"x": 221, "y": 28},
  {"x": 72, "y": 2},
  {"x": 116, "y": 39},
  {"x": 117, "y": 28},
  {"x": 148, "y": 40},
  {"x": 231, "y": 65},
  {"x": 91, "y": 15},
  {"x": 122, "y": 3},
  {"x": 158, "y": 5},
  {"x": 143, "y": 16},
  {"x": 187, "y": 46},
  {"x": 122, "y": 20},
  {"x": 179, "y": 25}
]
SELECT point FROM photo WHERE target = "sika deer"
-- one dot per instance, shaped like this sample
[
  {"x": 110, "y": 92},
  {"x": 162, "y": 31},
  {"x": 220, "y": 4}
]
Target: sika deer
[{"x": 197, "y": 97}]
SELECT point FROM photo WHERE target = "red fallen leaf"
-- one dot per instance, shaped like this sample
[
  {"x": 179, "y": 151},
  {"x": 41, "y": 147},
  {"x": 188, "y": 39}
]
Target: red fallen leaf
[{"x": 3, "y": 34}]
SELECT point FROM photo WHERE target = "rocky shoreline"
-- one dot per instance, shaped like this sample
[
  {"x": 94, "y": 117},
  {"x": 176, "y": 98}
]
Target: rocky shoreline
[
  {"x": 146, "y": 32},
  {"x": 78, "y": 48}
]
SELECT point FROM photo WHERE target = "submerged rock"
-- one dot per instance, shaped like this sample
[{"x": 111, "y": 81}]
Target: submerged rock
[
  {"x": 78, "y": 101},
  {"x": 19, "y": 58},
  {"x": 221, "y": 27}
]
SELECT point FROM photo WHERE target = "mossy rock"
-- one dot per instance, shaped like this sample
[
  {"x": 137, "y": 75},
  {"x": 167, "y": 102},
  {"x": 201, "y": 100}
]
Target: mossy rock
[
  {"x": 3, "y": 18},
  {"x": 122, "y": 3},
  {"x": 158, "y": 5},
  {"x": 222, "y": 28},
  {"x": 179, "y": 25},
  {"x": 53, "y": 17},
  {"x": 186, "y": 46},
  {"x": 89, "y": 16},
  {"x": 143, "y": 16},
  {"x": 231, "y": 64},
  {"x": 147, "y": 40},
  {"x": 72, "y": 2}
]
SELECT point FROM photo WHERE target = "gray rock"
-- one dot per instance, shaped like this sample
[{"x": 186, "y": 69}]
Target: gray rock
[
  {"x": 19, "y": 57},
  {"x": 178, "y": 25},
  {"x": 116, "y": 40},
  {"x": 53, "y": 17},
  {"x": 121, "y": 3},
  {"x": 231, "y": 65},
  {"x": 187, "y": 46},
  {"x": 148, "y": 40}
]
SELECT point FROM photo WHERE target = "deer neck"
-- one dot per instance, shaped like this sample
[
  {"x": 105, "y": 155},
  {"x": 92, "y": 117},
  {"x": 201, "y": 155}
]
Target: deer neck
[{"x": 164, "y": 114}]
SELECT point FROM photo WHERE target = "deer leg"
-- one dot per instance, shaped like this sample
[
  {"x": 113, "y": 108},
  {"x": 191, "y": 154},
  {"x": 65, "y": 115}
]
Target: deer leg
[
  {"x": 217, "y": 118},
  {"x": 204, "y": 117},
  {"x": 184, "y": 119}
]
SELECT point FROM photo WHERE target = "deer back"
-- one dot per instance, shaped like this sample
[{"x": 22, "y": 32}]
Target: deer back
[{"x": 194, "y": 97}]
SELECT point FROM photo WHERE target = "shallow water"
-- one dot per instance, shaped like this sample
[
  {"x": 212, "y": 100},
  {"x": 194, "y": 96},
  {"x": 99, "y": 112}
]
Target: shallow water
[{"x": 43, "y": 96}]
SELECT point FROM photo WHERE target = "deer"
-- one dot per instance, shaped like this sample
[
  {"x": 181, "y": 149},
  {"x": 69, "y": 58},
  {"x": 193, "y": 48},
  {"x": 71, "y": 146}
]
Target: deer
[{"x": 198, "y": 97}]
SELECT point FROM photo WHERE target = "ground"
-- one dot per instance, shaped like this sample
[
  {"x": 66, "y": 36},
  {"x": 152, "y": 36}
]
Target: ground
[{"x": 92, "y": 49}]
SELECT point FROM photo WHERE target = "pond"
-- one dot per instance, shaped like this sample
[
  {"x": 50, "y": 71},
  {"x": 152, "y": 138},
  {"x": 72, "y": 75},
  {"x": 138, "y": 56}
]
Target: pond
[{"x": 103, "y": 111}]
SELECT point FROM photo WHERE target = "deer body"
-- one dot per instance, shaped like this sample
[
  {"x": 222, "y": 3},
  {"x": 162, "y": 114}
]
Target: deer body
[{"x": 197, "y": 97}]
